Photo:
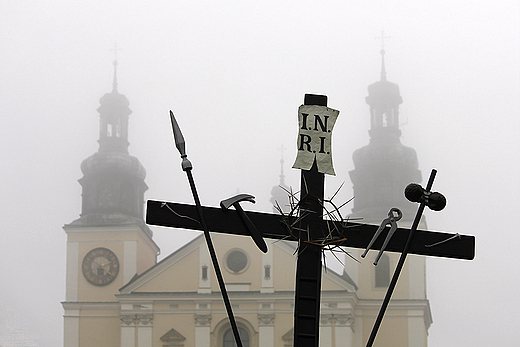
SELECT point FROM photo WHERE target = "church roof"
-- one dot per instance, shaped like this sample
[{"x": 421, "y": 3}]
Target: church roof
[{"x": 138, "y": 281}]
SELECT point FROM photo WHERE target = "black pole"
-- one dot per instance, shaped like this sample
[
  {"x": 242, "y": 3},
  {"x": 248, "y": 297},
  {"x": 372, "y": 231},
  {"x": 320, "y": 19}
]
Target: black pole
[
  {"x": 309, "y": 264},
  {"x": 400, "y": 264},
  {"x": 187, "y": 167}
]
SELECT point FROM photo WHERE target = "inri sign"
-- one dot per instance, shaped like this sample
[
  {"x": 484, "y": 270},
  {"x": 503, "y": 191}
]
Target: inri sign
[{"x": 315, "y": 137}]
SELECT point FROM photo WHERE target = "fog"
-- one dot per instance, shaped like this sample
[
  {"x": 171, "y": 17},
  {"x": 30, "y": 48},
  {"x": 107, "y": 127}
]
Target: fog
[{"x": 234, "y": 74}]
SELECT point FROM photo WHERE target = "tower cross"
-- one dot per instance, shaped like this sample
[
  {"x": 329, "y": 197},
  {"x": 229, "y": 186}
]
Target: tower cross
[
  {"x": 115, "y": 49},
  {"x": 114, "y": 80},
  {"x": 281, "y": 149},
  {"x": 282, "y": 176},
  {"x": 383, "y": 69},
  {"x": 309, "y": 228},
  {"x": 382, "y": 38}
]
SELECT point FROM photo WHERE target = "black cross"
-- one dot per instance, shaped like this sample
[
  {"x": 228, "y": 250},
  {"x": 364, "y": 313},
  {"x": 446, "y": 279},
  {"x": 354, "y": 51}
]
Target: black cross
[{"x": 311, "y": 231}]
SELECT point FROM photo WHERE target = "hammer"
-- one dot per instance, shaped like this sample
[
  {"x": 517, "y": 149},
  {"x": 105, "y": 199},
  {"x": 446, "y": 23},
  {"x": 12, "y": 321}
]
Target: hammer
[{"x": 235, "y": 201}]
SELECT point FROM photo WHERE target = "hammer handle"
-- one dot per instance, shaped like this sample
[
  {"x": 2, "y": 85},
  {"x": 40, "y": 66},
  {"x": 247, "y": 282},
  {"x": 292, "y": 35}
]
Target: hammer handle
[{"x": 255, "y": 234}]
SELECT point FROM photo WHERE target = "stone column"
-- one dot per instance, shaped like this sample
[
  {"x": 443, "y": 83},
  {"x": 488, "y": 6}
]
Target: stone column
[
  {"x": 73, "y": 264},
  {"x": 128, "y": 330},
  {"x": 266, "y": 329},
  {"x": 326, "y": 337},
  {"x": 71, "y": 328},
  {"x": 344, "y": 333},
  {"x": 417, "y": 328},
  {"x": 202, "y": 330},
  {"x": 130, "y": 260},
  {"x": 336, "y": 330},
  {"x": 144, "y": 330}
]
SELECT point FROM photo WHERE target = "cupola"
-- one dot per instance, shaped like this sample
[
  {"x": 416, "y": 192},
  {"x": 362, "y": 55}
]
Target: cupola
[
  {"x": 384, "y": 100},
  {"x": 384, "y": 167},
  {"x": 113, "y": 181}
]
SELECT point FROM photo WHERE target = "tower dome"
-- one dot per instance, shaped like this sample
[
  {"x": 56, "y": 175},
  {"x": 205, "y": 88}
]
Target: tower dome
[
  {"x": 384, "y": 167},
  {"x": 113, "y": 181}
]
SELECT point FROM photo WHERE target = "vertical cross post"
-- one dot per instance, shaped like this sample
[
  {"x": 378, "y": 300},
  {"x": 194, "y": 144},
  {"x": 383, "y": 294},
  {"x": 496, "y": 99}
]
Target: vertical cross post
[{"x": 309, "y": 264}]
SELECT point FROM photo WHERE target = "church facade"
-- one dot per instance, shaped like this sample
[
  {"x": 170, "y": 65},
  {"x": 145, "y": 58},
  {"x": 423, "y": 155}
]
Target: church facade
[{"x": 117, "y": 294}]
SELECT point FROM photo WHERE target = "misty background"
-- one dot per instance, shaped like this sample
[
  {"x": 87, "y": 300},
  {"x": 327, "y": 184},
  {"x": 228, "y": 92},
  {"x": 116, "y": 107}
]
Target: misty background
[{"x": 234, "y": 74}]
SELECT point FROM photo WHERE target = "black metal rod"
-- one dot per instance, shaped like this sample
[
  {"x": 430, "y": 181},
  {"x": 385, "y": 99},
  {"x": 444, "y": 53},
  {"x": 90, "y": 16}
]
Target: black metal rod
[
  {"x": 214, "y": 260},
  {"x": 400, "y": 265}
]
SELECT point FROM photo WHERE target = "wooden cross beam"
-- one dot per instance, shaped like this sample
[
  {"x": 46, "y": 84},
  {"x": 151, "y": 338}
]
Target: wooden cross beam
[
  {"x": 309, "y": 229},
  {"x": 273, "y": 226}
]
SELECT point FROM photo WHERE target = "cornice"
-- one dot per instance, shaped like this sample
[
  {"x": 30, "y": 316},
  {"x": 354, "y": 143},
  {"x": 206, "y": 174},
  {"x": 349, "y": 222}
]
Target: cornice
[
  {"x": 397, "y": 307},
  {"x": 346, "y": 320},
  {"x": 105, "y": 305},
  {"x": 213, "y": 296},
  {"x": 396, "y": 304},
  {"x": 326, "y": 295}
]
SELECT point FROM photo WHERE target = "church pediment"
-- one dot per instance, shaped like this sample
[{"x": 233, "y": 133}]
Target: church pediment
[
  {"x": 172, "y": 338},
  {"x": 156, "y": 273}
]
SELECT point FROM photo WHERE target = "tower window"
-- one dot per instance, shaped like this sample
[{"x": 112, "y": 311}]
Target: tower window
[
  {"x": 382, "y": 271},
  {"x": 113, "y": 130},
  {"x": 387, "y": 121},
  {"x": 117, "y": 130}
]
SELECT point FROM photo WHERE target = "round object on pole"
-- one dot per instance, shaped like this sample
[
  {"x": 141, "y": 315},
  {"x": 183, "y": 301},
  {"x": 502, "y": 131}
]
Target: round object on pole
[
  {"x": 436, "y": 201},
  {"x": 414, "y": 192}
]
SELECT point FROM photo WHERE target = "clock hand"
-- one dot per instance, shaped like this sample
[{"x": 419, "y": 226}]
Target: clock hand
[
  {"x": 98, "y": 263},
  {"x": 105, "y": 264},
  {"x": 103, "y": 267}
]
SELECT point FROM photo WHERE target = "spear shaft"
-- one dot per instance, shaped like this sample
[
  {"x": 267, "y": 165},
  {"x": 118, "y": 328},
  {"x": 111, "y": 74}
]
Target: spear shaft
[
  {"x": 187, "y": 167},
  {"x": 400, "y": 264}
]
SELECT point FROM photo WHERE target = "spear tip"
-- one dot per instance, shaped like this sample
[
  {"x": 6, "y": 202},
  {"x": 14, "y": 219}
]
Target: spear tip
[{"x": 177, "y": 134}]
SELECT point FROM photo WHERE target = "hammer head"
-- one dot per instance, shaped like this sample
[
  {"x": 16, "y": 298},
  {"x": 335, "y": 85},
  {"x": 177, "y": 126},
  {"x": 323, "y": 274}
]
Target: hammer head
[{"x": 227, "y": 203}]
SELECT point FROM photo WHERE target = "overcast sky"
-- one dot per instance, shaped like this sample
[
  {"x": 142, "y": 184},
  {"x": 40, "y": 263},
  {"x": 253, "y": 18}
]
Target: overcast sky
[{"x": 234, "y": 73}]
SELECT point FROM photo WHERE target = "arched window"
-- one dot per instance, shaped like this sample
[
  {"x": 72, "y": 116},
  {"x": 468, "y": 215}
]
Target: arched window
[
  {"x": 229, "y": 338},
  {"x": 383, "y": 271}
]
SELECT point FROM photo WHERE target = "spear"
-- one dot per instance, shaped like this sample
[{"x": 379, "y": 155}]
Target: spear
[
  {"x": 424, "y": 200},
  {"x": 187, "y": 167}
]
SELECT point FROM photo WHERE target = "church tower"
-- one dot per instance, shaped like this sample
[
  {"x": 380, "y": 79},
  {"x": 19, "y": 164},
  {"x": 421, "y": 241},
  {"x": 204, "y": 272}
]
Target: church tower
[
  {"x": 383, "y": 169},
  {"x": 110, "y": 243},
  {"x": 281, "y": 194}
]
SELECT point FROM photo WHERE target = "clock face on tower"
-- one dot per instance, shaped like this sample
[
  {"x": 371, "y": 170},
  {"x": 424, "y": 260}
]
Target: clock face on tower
[{"x": 100, "y": 266}]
